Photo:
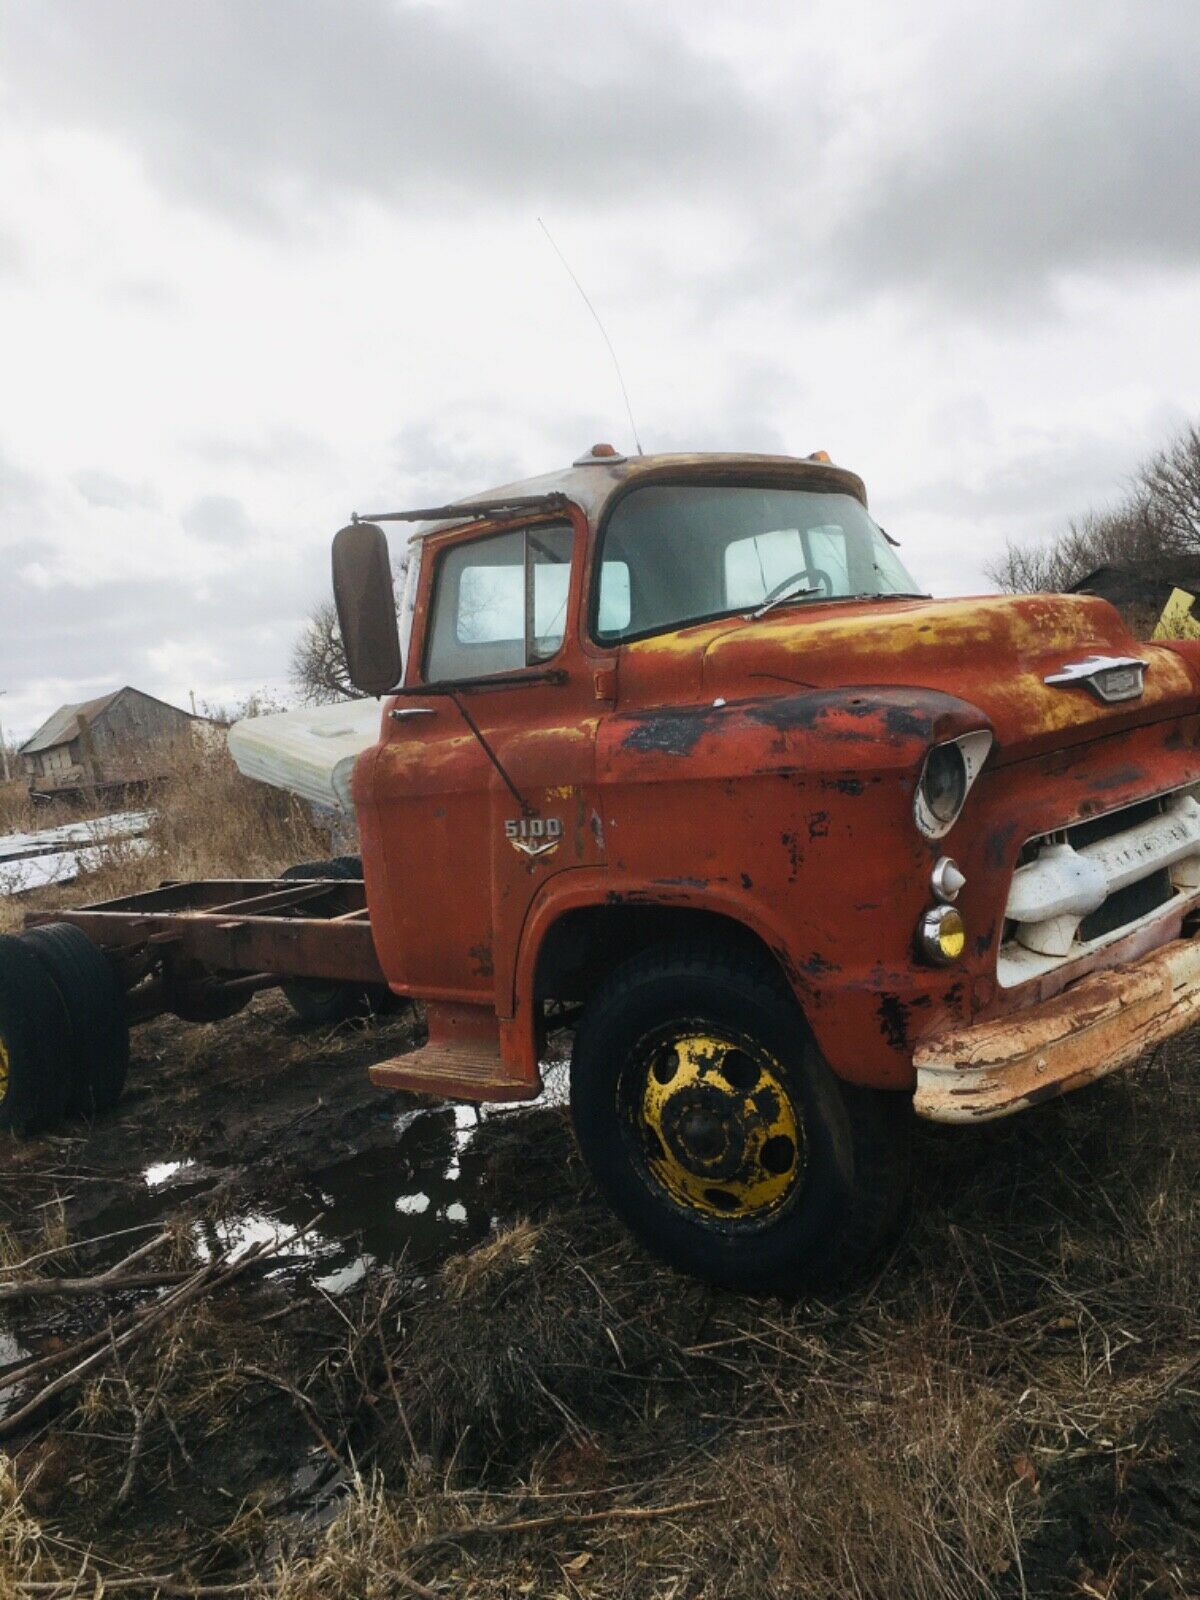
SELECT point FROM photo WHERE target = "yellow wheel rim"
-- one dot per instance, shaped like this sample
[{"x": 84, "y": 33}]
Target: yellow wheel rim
[
  {"x": 5, "y": 1068},
  {"x": 719, "y": 1127}
]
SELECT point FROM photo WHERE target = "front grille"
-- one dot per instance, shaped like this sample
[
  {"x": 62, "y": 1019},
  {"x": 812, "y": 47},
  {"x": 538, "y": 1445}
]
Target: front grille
[
  {"x": 1097, "y": 828},
  {"x": 1127, "y": 905},
  {"x": 1094, "y": 828},
  {"x": 1089, "y": 882}
]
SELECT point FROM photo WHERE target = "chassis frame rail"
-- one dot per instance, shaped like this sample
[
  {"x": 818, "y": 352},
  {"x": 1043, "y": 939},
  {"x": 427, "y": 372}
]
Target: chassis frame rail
[{"x": 201, "y": 949}]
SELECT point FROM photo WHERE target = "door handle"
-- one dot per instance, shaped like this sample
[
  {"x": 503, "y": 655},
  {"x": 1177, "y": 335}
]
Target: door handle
[{"x": 398, "y": 713}]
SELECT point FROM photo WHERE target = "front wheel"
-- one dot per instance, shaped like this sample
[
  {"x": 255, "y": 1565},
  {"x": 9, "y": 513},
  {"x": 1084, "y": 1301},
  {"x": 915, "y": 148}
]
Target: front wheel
[{"x": 718, "y": 1134}]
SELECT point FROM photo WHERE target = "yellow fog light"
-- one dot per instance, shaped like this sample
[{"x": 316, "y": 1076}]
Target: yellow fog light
[{"x": 941, "y": 935}]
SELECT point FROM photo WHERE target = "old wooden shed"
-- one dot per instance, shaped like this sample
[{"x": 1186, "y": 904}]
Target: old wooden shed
[{"x": 118, "y": 740}]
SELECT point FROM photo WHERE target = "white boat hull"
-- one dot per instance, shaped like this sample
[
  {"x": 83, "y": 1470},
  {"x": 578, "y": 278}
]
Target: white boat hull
[{"x": 310, "y": 753}]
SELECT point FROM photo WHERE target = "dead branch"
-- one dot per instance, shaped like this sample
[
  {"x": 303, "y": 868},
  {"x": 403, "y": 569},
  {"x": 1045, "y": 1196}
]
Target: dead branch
[
  {"x": 40, "y": 1364},
  {"x": 114, "y": 1277},
  {"x": 141, "y": 1417},
  {"x": 565, "y": 1519},
  {"x": 162, "y": 1585},
  {"x": 105, "y": 1283},
  {"x": 215, "y": 1275},
  {"x": 79, "y": 1244},
  {"x": 413, "y": 1587},
  {"x": 142, "y": 1324},
  {"x": 307, "y": 1409}
]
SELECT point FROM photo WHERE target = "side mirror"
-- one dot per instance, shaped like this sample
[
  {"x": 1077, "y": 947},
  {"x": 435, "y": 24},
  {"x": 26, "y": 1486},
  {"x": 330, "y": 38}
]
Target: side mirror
[{"x": 366, "y": 607}]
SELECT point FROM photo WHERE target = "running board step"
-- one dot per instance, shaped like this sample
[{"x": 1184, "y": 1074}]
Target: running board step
[{"x": 462, "y": 1060}]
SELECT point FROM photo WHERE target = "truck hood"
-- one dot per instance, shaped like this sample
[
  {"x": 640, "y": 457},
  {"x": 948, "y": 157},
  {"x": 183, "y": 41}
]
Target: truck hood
[{"x": 994, "y": 651}]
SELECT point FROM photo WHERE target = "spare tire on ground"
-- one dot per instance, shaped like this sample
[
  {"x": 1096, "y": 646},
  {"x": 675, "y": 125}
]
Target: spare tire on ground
[
  {"x": 94, "y": 1000},
  {"x": 325, "y": 999},
  {"x": 36, "y": 1051}
]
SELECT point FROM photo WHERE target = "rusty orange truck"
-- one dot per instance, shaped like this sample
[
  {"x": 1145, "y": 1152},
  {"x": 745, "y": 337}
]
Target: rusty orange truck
[{"x": 673, "y": 749}]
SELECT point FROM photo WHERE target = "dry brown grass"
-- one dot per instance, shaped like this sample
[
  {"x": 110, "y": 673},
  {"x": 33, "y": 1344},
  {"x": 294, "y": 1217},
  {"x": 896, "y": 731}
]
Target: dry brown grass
[
  {"x": 27, "y": 1554},
  {"x": 1007, "y": 1409},
  {"x": 16, "y": 809},
  {"x": 45, "y": 1234},
  {"x": 209, "y": 822},
  {"x": 483, "y": 1271}
]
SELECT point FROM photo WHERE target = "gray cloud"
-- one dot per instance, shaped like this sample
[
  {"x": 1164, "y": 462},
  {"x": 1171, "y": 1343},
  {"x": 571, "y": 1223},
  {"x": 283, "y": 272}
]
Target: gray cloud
[
  {"x": 20, "y": 491},
  {"x": 21, "y": 553},
  {"x": 1041, "y": 155},
  {"x": 108, "y": 632},
  {"x": 100, "y": 488},
  {"x": 1048, "y": 479},
  {"x": 143, "y": 294},
  {"x": 1025, "y": 143},
  {"x": 438, "y": 463},
  {"x": 12, "y": 256},
  {"x": 249, "y": 108},
  {"x": 218, "y": 519},
  {"x": 1011, "y": 153},
  {"x": 280, "y": 450}
]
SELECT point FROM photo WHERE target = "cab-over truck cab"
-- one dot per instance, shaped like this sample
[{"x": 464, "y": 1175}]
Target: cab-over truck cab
[{"x": 673, "y": 748}]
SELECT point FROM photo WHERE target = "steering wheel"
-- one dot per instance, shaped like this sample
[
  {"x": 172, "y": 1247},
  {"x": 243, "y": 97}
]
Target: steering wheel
[{"x": 791, "y": 582}]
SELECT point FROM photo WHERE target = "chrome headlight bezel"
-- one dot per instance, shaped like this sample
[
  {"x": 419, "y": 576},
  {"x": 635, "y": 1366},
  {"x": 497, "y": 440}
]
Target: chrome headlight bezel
[{"x": 969, "y": 751}]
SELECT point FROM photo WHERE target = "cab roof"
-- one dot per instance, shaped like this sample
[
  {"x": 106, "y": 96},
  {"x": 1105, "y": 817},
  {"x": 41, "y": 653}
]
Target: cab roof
[{"x": 595, "y": 479}]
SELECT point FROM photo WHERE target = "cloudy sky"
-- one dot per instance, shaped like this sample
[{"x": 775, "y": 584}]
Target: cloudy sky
[{"x": 263, "y": 262}]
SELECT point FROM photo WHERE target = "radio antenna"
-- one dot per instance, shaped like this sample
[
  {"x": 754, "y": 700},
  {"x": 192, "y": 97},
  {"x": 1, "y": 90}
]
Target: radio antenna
[{"x": 603, "y": 332}]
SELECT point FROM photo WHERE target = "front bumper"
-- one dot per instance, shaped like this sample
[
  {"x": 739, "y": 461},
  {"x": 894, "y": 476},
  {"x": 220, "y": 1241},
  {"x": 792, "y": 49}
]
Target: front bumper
[{"x": 1103, "y": 1022}]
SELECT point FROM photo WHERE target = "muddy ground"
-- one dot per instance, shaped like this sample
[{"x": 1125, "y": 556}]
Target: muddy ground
[{"x": 448, "y": 1371}]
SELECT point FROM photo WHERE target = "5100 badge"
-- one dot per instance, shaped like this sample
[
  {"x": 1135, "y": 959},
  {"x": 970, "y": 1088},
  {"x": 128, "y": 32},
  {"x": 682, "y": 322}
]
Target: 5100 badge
[{"x": 534, "y": 836}]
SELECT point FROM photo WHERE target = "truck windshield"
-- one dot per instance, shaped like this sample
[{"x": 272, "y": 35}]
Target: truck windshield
[{"x": 675, "y": 554}]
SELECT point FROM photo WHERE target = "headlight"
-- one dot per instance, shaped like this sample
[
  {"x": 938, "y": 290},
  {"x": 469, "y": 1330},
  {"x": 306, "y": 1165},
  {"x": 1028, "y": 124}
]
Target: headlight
[
  {"x": 944, "y": 782},
  {"x": 946, "y": 778}
]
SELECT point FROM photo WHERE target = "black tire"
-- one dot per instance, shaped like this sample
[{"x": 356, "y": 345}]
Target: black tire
[
  {"x": 35, "y": 1042},
  {"x": 318, "y": 1000},
  {"x": 95, "y": 1005},
  {"x": 784, "y": 1177}
]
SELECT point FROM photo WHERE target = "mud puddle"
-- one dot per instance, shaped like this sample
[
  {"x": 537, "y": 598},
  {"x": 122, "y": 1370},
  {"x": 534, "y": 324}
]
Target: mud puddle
[{"x": 414, "y": 1200}]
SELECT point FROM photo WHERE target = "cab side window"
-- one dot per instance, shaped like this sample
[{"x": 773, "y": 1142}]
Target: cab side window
[{"x": 499, "y": 603}]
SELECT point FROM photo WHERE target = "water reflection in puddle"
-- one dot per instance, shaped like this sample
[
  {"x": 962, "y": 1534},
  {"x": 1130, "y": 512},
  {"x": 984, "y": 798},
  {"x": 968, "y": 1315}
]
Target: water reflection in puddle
[
  {"x": 160, "y": 1172},
  {"x": 11, "y": 1349},
  {"x": 419, "y": 1199}
]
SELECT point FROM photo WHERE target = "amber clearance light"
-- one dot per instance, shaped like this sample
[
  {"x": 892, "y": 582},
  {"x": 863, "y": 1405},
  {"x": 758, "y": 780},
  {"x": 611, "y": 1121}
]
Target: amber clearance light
[{"x": 942, "y": 935}]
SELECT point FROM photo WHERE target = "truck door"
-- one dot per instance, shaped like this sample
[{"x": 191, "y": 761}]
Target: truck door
[{"x": 482, "y": 791}]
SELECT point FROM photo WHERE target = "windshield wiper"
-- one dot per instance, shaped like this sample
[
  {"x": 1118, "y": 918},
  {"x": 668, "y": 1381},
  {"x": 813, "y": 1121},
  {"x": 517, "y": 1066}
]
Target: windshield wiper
[{"x": 781, "y": 599}]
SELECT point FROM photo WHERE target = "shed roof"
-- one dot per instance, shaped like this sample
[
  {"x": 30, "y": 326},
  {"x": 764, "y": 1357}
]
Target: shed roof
[
  {"x": 1139, "y": 584},
  {"x": 67, "y": 721},
  {"x": 64, "y": 724}
]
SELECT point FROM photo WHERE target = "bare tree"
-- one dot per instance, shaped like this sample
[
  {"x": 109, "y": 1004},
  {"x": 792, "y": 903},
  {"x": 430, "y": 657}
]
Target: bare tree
[
  {"x": 319, "y": 668},
  {"x": 1171, "y": 481},
  {"x": 1155, "y": 529}
]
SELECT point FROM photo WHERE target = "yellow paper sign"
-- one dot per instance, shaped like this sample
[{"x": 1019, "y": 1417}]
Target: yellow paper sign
[{"x": 1177, "y": 621}]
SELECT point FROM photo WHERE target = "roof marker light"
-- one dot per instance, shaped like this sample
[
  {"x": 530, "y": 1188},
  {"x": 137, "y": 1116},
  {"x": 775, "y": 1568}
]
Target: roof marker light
[{"x": 599, "y": 453}]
